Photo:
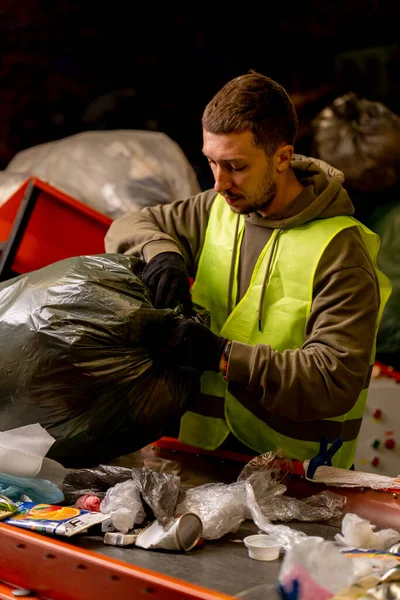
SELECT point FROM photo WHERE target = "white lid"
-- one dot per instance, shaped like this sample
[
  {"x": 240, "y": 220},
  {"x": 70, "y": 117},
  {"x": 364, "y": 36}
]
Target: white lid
[{"x": 262, "y": 547}]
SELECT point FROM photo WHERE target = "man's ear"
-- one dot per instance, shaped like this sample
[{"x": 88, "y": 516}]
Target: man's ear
[{"x": 283, "y": 156}]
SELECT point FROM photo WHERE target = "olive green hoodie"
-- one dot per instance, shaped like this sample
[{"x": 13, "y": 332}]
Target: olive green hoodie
[{"x": 324, "y": 377}]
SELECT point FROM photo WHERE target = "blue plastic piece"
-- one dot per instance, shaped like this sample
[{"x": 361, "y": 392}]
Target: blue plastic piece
[
  {"x": 38, "y": 490},
  {"x": 324, "y": 456},
  {"x": 290, "y": 594}
]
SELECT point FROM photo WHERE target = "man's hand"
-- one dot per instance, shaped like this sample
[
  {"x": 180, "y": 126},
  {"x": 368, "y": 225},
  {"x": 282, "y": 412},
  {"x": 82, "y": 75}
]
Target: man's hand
[
  {"x": 167, "y": 278},
  {"x": 187, "y": 343}
]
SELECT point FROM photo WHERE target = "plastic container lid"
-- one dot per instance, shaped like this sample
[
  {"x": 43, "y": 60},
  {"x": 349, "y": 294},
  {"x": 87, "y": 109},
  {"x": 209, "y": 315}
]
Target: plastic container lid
[{"x": 262, "y": 547}]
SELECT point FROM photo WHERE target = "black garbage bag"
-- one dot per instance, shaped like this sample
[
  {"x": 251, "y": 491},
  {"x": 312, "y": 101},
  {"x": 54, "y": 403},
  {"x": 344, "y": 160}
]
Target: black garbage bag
[
  {"x": 72, "y": 358},
  {"x": 361, "y": 138},
  {"x": 97, "y": 480}
]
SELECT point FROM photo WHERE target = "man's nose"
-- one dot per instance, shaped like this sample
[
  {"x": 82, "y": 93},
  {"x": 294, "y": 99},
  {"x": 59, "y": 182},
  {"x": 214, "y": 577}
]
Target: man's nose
[{"x": 223, "y": 181}]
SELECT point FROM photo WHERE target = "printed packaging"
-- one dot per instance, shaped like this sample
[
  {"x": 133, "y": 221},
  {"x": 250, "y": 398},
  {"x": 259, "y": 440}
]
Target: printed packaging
[{"x": 48, "y": 518}]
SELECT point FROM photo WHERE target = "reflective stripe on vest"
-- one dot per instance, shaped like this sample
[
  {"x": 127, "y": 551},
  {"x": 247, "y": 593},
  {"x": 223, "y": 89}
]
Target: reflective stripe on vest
[{"x": 286, "y": 307}]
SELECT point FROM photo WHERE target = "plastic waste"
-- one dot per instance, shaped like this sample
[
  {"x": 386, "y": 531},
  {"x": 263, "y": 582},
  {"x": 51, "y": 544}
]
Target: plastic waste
[
  {"x": 318, "y": 567},
  {"x": 37, "y": 490},
  {"x": 112, "y": 171},
  {"x": 359, "y": 533},
  {"x": 360, "y": 137},
  {"x": 123, "y": 503},
  {"x": 73, "y": 358},
  {"x": 96, "y": 481}
]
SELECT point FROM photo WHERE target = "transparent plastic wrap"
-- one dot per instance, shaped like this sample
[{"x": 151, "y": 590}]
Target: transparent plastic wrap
[
  {"x": 278, "y": 507},
  {"x": 73, "y": 359},
  {"x": 267, "y": 474},
  {"x": 258, "y": 495},
  {"x": 112, "y": 171},
  {"x": 221, "y": 507},
  {"x": 123, "y": 502},
  {"x": 361, "y": 138},
  {"x": 124, "y": 505}
]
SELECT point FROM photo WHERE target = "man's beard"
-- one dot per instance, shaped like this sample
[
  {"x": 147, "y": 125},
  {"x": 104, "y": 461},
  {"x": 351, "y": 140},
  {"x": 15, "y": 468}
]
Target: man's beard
[{"x": 260, "y": 201}]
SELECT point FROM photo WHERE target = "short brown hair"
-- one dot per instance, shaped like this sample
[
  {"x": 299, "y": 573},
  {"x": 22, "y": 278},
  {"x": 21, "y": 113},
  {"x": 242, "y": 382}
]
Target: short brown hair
[{"x": 257, "y": 103}]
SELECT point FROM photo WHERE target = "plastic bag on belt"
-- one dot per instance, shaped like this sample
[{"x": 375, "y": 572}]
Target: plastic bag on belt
[{"x": 72, "y": 359}]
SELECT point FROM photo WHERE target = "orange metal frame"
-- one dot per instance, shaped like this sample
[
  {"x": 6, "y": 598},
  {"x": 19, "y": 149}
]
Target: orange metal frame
[
  {"x": 56, "y": 570},
  {"x": 172, "y": 443}
]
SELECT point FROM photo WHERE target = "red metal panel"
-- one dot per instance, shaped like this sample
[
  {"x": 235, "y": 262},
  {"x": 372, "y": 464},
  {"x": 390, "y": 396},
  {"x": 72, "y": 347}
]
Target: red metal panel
[
  {"x": 60, "y": 227},
  {"x": 56, "y": 570}
]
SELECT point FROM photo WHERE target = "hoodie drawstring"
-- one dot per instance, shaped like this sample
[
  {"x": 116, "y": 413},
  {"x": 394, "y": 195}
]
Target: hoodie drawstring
[
  {"x": 232, "y": 271},
  {"x": 266, "y": 274}
]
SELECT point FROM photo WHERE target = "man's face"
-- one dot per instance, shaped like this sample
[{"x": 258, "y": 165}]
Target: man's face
[{"x": 243, "y": 173}]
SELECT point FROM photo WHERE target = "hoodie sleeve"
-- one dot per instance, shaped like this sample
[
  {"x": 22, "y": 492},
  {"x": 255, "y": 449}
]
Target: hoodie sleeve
[
  {"x": 176, "y": 227},
  {"x": 324, "y": 378}
]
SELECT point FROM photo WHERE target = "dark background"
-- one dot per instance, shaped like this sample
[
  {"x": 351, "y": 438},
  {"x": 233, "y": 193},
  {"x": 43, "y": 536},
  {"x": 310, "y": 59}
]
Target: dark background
[{"x": 69, "y": 66}]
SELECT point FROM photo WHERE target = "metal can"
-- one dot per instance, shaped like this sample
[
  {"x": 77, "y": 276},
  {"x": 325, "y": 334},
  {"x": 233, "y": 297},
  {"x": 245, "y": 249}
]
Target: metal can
[{"x": 181, "y": 533}]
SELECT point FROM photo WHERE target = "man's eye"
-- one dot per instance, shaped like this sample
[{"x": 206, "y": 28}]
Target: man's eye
[{"x": 238, "y": 168}]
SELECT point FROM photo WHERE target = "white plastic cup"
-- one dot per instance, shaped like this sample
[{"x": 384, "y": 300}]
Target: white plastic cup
[
  {"x": 181, "y": 533},
  {"x": 262, "y": 547}
]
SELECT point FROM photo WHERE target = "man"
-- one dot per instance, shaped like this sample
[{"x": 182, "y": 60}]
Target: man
[{"x": 286, "y": 272}]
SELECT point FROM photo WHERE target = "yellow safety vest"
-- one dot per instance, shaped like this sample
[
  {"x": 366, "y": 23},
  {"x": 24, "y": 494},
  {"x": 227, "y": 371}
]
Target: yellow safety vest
[{"x": 286, "y": 308}]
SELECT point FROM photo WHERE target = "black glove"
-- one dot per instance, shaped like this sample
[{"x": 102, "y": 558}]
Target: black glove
[
  {"x": 167, "y": 278},
  {"x": 187, "y": 343}
]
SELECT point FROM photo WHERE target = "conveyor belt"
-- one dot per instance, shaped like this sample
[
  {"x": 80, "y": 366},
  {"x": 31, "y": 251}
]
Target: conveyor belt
[{"x": 220, "y": 565}]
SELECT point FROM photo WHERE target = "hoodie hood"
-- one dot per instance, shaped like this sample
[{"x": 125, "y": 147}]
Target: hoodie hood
[{"x": 323, "y": 196}]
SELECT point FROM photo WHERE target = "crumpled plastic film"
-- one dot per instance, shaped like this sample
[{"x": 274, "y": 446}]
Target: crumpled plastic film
[
  {"x": 159, "y": 490},
  {"x": 359, "y": 533},
  {"x": 284, "y": 534},
  {"x": 257, "y": 495},
  {"x": 275, "y": 468},
  {"x": 221, "y": 507},
  {"x": 266, "y": 474},
  {"x": 124, "y": 504},
  {"x": 278, "y": 507}
]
